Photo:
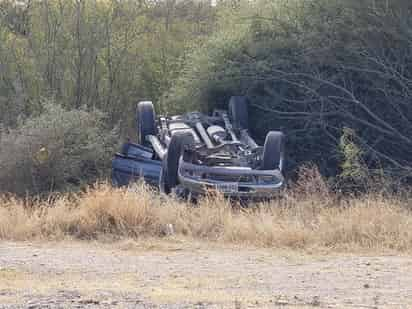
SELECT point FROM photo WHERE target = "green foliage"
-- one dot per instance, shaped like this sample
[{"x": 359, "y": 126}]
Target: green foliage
[
  {"x": 55, "y": 150},
  {"x": 311, "y": 68},
  {"x": 87, "y": 56},
  {"x": 99, "y": 54},
  {"x": 353, "y": 168}
]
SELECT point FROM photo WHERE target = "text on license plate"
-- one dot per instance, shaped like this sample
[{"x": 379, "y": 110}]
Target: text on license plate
[{"x": 228, "y": 187}]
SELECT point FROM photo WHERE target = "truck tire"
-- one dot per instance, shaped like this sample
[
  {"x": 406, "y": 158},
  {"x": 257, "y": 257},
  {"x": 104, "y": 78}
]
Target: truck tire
[
  {"x": 146, "y": 122},
  {"x": 238, "y": 112},
  {"x": 169, "y": 177},
  {"x": 273, "y": 151}
]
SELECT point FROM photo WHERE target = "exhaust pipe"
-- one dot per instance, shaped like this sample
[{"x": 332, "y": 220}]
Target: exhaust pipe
[
  {"x": 229, "y": 127},
  {"x": 204, "y": 135},
  {"x": 157, "y": 146}
]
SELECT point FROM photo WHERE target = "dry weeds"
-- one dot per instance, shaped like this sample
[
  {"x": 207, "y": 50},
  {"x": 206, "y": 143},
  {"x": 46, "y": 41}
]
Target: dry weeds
[{"x": 308, "y": 216}]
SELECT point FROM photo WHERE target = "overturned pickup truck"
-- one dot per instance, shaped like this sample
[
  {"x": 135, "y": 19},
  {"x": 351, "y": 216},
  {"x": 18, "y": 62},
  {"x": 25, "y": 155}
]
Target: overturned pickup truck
[{"x": 195, "y": 153}]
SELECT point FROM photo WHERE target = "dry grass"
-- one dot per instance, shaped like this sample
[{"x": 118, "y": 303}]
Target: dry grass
[{"x": 306, "y": 217}]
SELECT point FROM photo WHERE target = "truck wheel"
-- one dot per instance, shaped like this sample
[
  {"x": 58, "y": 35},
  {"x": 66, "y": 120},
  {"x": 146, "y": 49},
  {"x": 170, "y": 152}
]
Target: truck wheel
[
  {"x": 238, "y": 112},
  {"x": 146, "y": 121},
  {"x": 273, "y": 151},
  {"x": 169, "y": 176}
]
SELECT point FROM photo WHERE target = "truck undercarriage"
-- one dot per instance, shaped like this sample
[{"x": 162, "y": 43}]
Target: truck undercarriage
[{"x": 195, "y": 153}]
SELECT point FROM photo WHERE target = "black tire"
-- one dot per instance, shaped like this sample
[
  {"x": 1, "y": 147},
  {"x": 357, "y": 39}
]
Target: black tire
[
  {"x": 169, "y": 176},
  {"x": 273, "y": 151},
  {"x": 238, "y": 112},
  {"x": 146, "y": 122}
]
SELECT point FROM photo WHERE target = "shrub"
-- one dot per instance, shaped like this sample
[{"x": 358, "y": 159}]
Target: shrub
[
  {"x": 354, "y": 172},
  {"x": 55, "y": 150}
]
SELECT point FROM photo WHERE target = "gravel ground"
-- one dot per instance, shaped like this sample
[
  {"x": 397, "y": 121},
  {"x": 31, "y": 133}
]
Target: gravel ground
[{"x": 183, "y": 275}]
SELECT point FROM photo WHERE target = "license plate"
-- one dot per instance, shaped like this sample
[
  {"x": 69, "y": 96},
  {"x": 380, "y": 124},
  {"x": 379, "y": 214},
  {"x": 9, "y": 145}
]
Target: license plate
[{"x": 228, "y": 187}]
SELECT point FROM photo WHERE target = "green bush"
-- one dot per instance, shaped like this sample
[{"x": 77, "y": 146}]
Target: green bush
[
  {"x": 55, "y": 150},
  {"x": 354, "y": 172}
]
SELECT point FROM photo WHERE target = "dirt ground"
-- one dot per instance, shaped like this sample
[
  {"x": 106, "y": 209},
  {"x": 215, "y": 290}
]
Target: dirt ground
[{"x": 180, "y": 274}]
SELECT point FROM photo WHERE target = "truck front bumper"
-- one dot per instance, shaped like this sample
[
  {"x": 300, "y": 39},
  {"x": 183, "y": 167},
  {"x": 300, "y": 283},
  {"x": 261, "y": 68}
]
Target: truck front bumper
[{"x": 231, "y": 181}]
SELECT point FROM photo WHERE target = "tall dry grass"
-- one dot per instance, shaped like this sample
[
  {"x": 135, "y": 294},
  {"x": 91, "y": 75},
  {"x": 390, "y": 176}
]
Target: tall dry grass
[{"x": 308, "y": 216}]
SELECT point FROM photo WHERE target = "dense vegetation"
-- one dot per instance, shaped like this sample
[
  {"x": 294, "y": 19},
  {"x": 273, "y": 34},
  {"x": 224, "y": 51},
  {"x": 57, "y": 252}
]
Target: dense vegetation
[
  {"x": 97, "y": 54},
  {"x": 93, "y": 60},
  {"x": 335, "y": 75},
  {"x": 326, "y": 72}
]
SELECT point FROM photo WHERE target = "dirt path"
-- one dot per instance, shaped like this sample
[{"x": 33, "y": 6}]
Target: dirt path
[{"x": 179, "y": 275}]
